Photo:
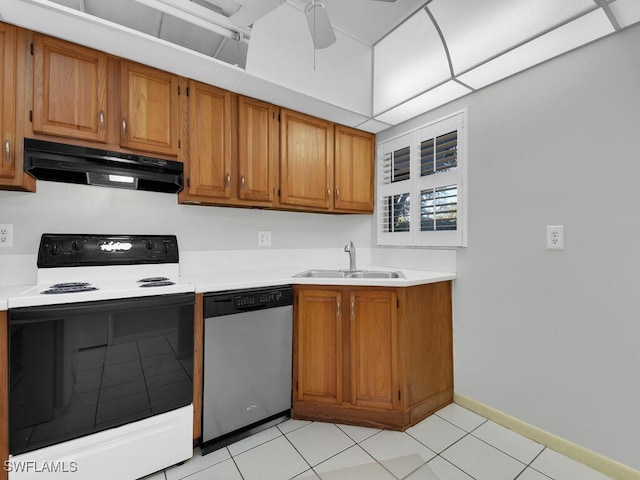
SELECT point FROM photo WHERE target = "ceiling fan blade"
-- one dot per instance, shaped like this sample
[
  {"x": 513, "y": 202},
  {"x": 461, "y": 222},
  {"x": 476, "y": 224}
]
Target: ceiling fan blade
[
  {"x": 246, "y": 16},
  {"x": 320, "y": 27}
]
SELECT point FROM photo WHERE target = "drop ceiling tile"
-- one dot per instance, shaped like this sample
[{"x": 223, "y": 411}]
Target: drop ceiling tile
[
  {"x": 408, "y": 61},
  {"x": 477, "y": 31},
  {"x": 563, "y": 39},
  {"x": 423, "y": 103},
  {"x": 627, "y": 12}
]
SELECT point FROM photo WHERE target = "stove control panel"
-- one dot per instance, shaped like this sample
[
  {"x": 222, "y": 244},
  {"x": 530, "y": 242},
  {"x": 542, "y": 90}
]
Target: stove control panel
[{"x": 77, "y": 250}]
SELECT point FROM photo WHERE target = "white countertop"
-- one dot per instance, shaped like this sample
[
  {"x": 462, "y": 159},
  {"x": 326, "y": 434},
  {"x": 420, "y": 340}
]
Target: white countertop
[
  {"x": 232, "y": 280},
  {"x": 217, "y": 281},
  {"x": 9, "y": 291}
]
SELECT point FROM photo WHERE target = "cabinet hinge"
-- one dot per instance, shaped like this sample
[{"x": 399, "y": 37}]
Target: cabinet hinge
[
  {"x": 31, "y": 47},
  {"x": 397, "y": 303},
  {"x": 189, "y": 182},
  {"x": 179, "y": 144},
  {"x": 187, "y": 91},
  {"x": 398, "y": 395},
  {"x": 31, "y": 115},
  {"x": 296, "y": 386},
  {"x": 279, "y": 119},
  {"x": 278, "y": 192},
  {"x": 178, "y": 89}
]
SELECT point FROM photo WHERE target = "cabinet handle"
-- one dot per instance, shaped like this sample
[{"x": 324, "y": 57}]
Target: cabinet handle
[
  {"x": 101, "y": 120},
  {"x": 242, "y": 182},
  {"x": 328, "y": 193},
  {"x": 228, "y": 180},
  {"x": 337, "y": 193},
  {"x": 338, "y": 310},
  {"x": 124, "y": 126},
  {"x": 353, "y": 308},
  {"x": 7, "y": 151}
]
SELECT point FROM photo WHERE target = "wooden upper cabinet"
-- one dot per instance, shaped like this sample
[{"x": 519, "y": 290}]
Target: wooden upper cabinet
[
  {"x": 354, "y": 169},
  {"x": 374, "y": 348},
  {"x": 318, "y": 332},
  {"x": 306, "y": 160},
  {"x": 149, "y": 109},
  {"x": 257, "y": 150},
  {"x": 209, "y": 164},
  {"x": 7, "y": 100},
  {"x": 69, "y": 90}
]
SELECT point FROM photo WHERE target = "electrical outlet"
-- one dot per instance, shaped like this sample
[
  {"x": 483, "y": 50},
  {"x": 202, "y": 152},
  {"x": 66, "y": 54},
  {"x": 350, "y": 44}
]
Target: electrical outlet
[
  {"x": 6, "y": 235},
  {"x": 555, "y": 237},
  {"x": 264, "y": 239}
]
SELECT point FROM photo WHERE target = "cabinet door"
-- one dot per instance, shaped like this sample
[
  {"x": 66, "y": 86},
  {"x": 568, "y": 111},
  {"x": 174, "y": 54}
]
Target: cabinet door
[
  {"x": 256, "y": 150},
  {"x": 69, "y": 90},
  {"x": 374, "y": 348},
  {"x": 306, "y": 160},
  {"x": 7, "y": 97},
  {"x": 149, "y": 108},
  {"x": 318, "y": 346},
  {"x": 354, "y": 169},
  {"x": 209, "y": 165}
]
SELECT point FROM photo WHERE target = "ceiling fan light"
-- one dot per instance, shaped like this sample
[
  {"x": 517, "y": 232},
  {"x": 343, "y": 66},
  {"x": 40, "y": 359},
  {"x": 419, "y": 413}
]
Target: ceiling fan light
[{"x": 319, "y": 23}]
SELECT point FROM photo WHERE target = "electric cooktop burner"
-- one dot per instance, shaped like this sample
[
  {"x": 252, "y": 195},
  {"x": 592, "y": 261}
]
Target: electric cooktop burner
[
  {"x": 163, "y": 283},
  {"x": 70, "y": 287},
  {"x": 155, "y": 282}
]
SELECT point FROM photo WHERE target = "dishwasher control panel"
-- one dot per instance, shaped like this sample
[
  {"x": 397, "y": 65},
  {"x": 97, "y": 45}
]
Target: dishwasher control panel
[{"x": 234, "y": 301}]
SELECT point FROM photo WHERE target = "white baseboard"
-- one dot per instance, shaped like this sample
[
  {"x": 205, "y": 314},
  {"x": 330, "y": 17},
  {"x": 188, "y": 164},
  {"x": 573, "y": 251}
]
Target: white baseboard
[{"x": 580, "y": 454}]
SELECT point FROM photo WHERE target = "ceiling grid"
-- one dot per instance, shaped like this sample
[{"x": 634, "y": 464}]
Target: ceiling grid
[{"x": 423, "y": 53}]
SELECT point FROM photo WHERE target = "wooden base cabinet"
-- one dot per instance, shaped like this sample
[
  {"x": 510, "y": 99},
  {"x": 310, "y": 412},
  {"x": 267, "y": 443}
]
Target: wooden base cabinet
[{"x": 372, "y": 356}]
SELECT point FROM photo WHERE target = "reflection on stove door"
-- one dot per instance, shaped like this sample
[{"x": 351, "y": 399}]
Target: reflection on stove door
[{"x": 32, "y": 361}]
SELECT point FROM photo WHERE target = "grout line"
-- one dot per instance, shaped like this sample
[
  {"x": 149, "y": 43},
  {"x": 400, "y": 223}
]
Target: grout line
[{"x": 456, "y": 466}]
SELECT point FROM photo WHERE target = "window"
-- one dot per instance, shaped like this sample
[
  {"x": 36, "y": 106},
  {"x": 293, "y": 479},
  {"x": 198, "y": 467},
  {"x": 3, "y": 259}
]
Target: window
[{"x": 421, "y": 186}]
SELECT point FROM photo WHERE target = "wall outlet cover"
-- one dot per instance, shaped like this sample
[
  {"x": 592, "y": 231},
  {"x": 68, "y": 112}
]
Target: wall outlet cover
[
  {"x": 555, "y": 237},
  {"x": 6, "y": 235}
]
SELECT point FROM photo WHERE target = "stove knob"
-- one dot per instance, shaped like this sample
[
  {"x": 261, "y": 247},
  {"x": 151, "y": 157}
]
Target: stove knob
[
  {"x": 77, "y": 245},
  {"x": 55, "y": 249},
  {"x": 149, "y": 245}
]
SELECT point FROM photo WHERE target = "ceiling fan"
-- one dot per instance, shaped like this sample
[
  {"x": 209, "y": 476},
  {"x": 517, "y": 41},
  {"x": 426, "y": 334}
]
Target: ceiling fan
[{"x": 318, "y": 19}]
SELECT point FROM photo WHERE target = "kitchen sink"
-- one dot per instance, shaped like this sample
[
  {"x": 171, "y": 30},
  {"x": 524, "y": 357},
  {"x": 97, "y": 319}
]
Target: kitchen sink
[
  {"x": 375, "y": 274},
  {"x": 348, "y": 274}
]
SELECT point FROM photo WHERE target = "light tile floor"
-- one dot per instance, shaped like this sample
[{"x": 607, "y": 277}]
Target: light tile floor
[{"x": 452, "y": 444}]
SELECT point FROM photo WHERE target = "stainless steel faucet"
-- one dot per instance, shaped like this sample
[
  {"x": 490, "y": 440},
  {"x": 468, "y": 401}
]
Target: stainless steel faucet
[{"x": 350, "y": 248}]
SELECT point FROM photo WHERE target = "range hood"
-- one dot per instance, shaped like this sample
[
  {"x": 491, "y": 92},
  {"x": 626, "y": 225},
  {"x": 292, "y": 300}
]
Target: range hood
[{"x": 57, "y": 162}]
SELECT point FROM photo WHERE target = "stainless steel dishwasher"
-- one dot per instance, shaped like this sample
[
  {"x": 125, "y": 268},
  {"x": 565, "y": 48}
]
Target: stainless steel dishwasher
[{"x": 247, "y": 363}]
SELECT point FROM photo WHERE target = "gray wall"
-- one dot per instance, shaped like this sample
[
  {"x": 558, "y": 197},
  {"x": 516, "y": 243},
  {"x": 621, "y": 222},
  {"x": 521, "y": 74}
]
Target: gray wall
[{"x": 553, "y": 337}]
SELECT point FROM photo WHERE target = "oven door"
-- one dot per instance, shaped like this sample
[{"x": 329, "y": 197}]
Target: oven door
[{"x": 80, "y": 368}]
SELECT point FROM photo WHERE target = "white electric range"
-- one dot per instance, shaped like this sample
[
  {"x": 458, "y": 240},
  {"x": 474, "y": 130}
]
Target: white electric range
[{"x": 101, "y": 360}]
